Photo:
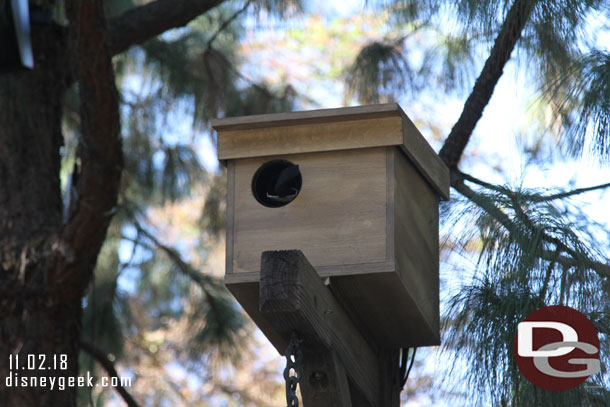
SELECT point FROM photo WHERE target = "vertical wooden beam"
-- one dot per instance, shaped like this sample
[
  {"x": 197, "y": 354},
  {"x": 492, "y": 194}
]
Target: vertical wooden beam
[
  {"x": 324, "y": 382},
  {"x": 293, "y": 299},
  {"x": 389, "y": 375}
]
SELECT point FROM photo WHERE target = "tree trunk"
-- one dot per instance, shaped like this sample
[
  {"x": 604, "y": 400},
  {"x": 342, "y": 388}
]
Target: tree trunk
[
  {"x": 35, "y": 320},
  {"x": 45, "y": 266}
]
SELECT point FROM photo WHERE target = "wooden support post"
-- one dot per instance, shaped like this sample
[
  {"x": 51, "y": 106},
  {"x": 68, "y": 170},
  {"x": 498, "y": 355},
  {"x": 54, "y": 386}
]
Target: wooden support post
[
  {"x": 293, "y": 298},
  {"x": 324, "y": 382},
  {"x": 390, "y": 377}
]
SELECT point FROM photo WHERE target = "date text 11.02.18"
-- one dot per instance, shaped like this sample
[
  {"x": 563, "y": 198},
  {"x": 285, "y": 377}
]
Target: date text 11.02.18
[{"x": 38, "y": 362}]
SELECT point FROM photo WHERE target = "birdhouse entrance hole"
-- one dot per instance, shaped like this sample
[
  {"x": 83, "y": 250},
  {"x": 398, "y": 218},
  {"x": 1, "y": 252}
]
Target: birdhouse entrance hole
[{"x": 276, "y": 183}]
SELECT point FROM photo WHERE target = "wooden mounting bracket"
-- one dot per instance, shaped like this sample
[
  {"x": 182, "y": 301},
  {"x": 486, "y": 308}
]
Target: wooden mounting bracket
[{"x": 340, "y": 368}]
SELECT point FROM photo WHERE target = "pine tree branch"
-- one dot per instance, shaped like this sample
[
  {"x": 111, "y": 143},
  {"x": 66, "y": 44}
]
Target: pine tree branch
[
  {"x": 173, "y": 255},
  {"x": 100, "y": 149},
  {"x": 145, "y": 22},
  {"x": 462, "y": 175},
  {"x": 547, "y": 277},
  {"x": 458, "y": 138},
  {"x": 532, "y": 197},
  {"x": 602, "y": 269},
  {"x": 567, "y": 194},
  {"x": 573, "y": 259},
  {"x": 183, "y": 266},
  {"x": 227, "y": 22},
  {"x": 236, "y": 71},
  {"x": 99, "y": 355},
  {"x": 457, "y": 182}
]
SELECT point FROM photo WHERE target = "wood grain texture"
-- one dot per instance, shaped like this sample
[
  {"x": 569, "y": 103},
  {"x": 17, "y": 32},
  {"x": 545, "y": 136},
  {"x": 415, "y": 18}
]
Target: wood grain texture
[
  {"x": 230, "y": 216},
  {"x": 338, "y": 218},
  {"x": 294, "y": 299},
  {"x": 401, "y": 307},
  {"x": 345, "y": 231},
  {"x": 383, "y": 305},
  {"x": 331, "y": 130},
  {"x": 308, "y": 117},
  {"x": 311, "y": 137},
  {"x": 390, "y": 377},
  {"x": 323, "y": 271},
  {"x": 429, "y": 164},
  {"x": 324, "y": 382},
  {"x": 416, "y": 239},
  {"x": 390, "y": 202}
]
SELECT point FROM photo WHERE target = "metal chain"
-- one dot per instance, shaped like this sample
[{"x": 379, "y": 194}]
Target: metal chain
[{"x": 293, "y": 351}]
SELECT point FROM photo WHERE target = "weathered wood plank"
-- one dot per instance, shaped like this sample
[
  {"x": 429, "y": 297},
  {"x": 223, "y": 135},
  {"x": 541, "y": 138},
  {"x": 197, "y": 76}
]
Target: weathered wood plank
[
  {"x": 230, "y": 215},
  {"x": 416, "y": 239},
  {"x": 247, "y": 293},
  {"x": 330, "y": 130},
  {"x": 324, "y": 382},
  {"x": 390, "y": 377},
  {"x": 309, "y": 116},
  {"x": 429, "y": 164},
  {"x": 323, "y": 271},
  {"x": 338, "y": 218},
  {"x": 308, "y": 138},
  {"x": 387, "y": 307},
  {"x": 294, "y": 299}
]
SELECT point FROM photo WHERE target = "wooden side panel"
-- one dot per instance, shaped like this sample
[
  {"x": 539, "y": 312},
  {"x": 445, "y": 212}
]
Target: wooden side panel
[
  {"x": 310, "y": 137},
  {"x": 416, "y": 239},
  {"x": 338, "y": 218},
  {"x": 230, "y": 216},
  {"x": 380, "y": 303},
  {"x": 400, "y": 306},
  {"x": 390, "y": 191}
]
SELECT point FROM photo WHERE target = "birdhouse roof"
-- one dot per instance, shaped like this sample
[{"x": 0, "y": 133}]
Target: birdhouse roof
[{"x": 330, "y": 130}]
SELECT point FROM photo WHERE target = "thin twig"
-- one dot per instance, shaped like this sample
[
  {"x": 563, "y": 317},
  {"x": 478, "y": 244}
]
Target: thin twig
[
  {"x": 547, "y": 277},
  {"x": 227, "y": 23},
  {"x": 567, "y": 194},
  {"x": 99, "y": 355},
  {"x": 477, "y": 181},
  {"x": 500, "y": 216},
  {"x": 253, "y": 83},
  {"x": 531, "y": 197},
  {"x": 183, "y": 266}
]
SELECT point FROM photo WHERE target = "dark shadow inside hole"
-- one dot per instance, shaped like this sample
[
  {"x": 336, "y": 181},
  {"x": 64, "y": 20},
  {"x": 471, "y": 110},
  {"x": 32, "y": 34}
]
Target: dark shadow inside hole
[{"x": 276, "y": 183}]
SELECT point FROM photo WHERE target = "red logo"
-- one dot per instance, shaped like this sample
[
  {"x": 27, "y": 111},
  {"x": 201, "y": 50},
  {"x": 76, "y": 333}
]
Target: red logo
[{"x": 556, "y": 348}]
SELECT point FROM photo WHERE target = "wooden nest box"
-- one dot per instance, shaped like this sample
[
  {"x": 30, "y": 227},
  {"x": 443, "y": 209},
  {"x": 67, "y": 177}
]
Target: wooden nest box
[{"x": 355, "y": 189}]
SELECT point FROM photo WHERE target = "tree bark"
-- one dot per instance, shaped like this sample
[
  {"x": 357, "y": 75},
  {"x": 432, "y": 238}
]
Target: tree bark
[
  {"x": 142, "y": 23},
  {"x": 483, "y": 89},
  {"x": 33, "y": 320},
  {"x": 46, "y": 265}
]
